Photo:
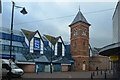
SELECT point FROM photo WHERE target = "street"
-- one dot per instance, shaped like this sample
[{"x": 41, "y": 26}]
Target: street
[{"x": 66, "y": 75}]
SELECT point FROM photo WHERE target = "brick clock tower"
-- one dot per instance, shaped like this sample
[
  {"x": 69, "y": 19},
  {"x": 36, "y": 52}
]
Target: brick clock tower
[{"x": 80, "y": 42}]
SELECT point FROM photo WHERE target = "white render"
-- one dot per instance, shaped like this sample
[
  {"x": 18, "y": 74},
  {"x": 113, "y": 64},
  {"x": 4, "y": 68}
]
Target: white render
[
  {"x": 116, "y": 24},
  {"x": 59, "y": 40},
  {"x": 56, "y": 49},
  {"x": 63, "y": 51},
  {"x": 37, "y": 35},
  {"x": 31, "y": 45},
  {"x": 41, "y": 52},
  {"x": 27, "y": 42}
]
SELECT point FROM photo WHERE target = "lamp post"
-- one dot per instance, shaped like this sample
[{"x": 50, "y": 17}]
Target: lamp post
[{"x": 23, "y": 11}]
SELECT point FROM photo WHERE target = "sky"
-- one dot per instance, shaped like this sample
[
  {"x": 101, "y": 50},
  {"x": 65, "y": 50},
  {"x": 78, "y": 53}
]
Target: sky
[{"x": 54, "y": 17}]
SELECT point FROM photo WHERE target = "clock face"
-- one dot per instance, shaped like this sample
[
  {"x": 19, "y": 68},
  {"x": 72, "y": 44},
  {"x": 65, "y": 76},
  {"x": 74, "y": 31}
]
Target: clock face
[
  {"x": 75, "y": 32},
  {"x": 84, "y": 32}
]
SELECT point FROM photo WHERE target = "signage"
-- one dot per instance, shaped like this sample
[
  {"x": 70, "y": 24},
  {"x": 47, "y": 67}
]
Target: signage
[
  {"x": 6, "y": 56},
  {"x": 114, "y": 58},
  {"x": 36, "y": 44}
]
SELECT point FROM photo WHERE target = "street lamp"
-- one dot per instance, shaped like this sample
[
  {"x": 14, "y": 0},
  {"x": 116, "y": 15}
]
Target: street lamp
[{"x": 23, "y": 11}]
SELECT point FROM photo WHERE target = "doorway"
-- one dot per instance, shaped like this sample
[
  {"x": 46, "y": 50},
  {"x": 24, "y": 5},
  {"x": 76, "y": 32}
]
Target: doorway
[{"x": 84, "y": 65}]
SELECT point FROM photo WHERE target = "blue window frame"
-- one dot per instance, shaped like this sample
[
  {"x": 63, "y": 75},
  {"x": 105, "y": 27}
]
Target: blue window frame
[
  {"x": 3, "y": 35},
  {"x": 18, "y": 38},
  {"x": 22, "y": 39},
  {"x": 7, "y": 36},
  {"x": 46, "y": 43},
  {"x": 14, "y": 37},
  {"x": 0, "y": 35}
]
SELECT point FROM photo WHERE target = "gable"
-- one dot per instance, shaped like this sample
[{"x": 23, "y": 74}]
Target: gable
[
  {"x": 59, "y": 40},
  {"x": 37, "y": 35}
]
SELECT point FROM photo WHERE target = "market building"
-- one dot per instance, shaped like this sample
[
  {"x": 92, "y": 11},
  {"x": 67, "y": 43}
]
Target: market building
[
  {"x": 113, "y": 50},
  {"x": 35, "y": 53}
]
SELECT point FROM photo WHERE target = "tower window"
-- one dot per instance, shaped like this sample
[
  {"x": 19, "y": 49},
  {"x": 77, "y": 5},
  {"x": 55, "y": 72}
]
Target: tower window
[
  {"x": 75, "y": 44},
  {"x": 84, "y": 43}
]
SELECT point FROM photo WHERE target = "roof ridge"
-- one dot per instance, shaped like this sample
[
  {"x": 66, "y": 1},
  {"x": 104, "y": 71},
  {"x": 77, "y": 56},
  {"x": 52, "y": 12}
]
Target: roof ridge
[{"x": 79, "y": 18}]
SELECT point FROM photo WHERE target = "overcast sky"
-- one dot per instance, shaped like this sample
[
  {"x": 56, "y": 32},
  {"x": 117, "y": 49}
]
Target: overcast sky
[{"x": 54, "y": 18}]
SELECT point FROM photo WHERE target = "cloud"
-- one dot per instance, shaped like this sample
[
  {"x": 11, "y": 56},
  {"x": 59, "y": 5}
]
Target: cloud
[{"x": 39, "y": 14}]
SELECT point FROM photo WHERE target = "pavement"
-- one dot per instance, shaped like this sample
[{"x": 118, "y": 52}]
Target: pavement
[{"x": 81, "y": 75}]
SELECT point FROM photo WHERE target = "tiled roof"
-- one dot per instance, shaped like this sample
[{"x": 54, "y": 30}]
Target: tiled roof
[
  {"x": 28, "y": 34},
  {"x": 79, "y": 18},
  {"x": 52, "y": 39}
]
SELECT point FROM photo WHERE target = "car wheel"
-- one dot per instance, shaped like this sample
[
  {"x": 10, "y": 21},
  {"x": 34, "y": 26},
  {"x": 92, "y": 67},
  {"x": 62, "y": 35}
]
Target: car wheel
[{"x": 9, "y": 75}]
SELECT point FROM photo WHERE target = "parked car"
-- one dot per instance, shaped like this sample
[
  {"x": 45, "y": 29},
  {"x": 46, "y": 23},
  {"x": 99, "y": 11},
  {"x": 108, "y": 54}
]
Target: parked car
[{"x": 15, "y": 70}]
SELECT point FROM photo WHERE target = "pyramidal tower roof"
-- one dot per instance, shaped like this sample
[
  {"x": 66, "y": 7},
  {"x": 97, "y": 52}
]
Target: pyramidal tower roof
[{"x": 79, "y": 18}]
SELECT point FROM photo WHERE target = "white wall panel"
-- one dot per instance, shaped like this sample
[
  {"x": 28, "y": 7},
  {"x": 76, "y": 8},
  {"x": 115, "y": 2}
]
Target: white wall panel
[
  {"x": 59, "y": 40},
  {"x": 56, "y": 49},
  {"x": 116, "y": 25},
  {"x": 41, "y": 52},
  {"x": 63, "y": 50},
  {"x": 27, "y": 42},
  {"x": 31, "y": 45},
  {"x": 37, "y": 35}
]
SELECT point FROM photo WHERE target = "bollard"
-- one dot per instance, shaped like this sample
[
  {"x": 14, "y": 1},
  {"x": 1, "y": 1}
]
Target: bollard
[
  {"x": 101, "y": 72},
  {"x": 109, "y": 71},
  {"x": 93, "y": 73},
  {"x": 91, "y": 76},
  {"x": 105, "y": 74},
  {"x": 97, "y": 72}
]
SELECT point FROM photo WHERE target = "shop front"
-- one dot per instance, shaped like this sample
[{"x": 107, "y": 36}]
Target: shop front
[
  {"x": 113, "y": 51},
  {"x": 45, "y": 67}
]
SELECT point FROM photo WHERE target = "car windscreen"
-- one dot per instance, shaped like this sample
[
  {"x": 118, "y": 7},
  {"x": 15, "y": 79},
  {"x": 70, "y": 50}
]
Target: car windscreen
[{"x": 14, "y": 66}]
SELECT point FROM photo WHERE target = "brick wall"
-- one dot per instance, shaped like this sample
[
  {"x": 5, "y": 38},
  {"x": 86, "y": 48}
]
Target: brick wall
[
  {"x": 80, "y": 52},
  {"x": 99, "y": 61},
  {"x": 27, "y": 68},
  {"x": 64, "y": 68}
]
